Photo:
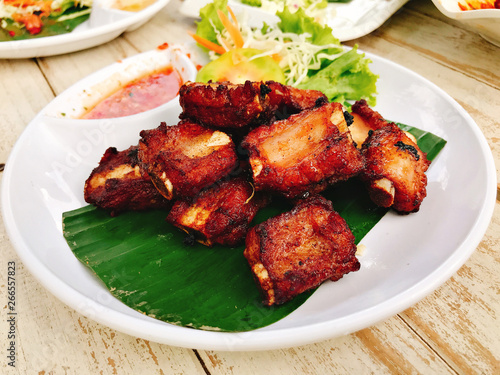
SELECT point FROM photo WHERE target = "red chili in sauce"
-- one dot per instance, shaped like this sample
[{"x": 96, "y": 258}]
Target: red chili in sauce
[{"x": 140, "y": 95}]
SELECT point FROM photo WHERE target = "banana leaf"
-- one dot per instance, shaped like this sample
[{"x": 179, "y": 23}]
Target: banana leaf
[{"x": 146, "y": 263}]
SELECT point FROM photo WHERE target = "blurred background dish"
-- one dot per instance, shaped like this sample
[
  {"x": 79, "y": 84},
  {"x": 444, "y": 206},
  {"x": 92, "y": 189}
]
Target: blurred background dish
[
  {"x": 105, "y": 24},
  {"x": 348, "y": 20},
  {"x": 479, "y": 15}
]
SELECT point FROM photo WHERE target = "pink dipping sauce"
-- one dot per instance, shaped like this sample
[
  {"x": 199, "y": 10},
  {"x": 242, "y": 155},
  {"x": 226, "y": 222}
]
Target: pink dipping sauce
[{"x": 140, "y": 95}]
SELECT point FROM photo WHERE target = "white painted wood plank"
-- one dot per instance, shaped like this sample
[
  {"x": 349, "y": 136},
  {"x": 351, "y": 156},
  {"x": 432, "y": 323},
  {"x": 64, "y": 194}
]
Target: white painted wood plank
[{"x": 454, "y": 330}]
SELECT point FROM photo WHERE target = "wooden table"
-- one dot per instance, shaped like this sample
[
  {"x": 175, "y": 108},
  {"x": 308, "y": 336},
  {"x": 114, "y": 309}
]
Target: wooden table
[{"x": 454, "y": 330}]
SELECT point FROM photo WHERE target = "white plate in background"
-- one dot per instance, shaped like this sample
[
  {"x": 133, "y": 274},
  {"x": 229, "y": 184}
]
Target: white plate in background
[
  {"x": 406, "y": 256},
  {"x": 103, "y": 26}
]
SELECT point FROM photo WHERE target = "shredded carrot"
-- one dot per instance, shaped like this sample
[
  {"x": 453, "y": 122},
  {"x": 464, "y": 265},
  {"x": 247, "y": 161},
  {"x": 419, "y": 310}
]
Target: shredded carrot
[
  {"x": 231, "y": 29},
  {"x": 277, "y": 57},
  {"x": 163, "y": 46},
  {"x": 233, "y": 17},
  {"x": 208, "y": 44}
]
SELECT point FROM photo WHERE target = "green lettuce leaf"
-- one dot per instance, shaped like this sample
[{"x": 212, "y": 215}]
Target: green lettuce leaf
[
  {"x": 304, "y": 4},
  {"x": 299, "y": 23},
  {"x": 209, "y": 19},
  {"x": 348, "y": 77},
  {"x": 252, "y": 3},
  {"x": 66, "y": 5}
]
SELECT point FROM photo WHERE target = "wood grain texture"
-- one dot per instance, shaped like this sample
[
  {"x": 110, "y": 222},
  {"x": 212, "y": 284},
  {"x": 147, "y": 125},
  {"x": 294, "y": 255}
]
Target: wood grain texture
[
  {"x": 64, "y": 70},
  {"x": 155, "y": 34},
  {"x": 454, "y": 330},
  {"x": 374, "y": 350},
  {"x": 19, "y": 102},
  {"x": 460, "y": 320}
]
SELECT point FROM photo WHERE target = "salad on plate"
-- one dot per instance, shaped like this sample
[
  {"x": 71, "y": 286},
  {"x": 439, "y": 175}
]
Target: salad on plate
[
  {"x": 304, "y": 51},
  {"x": 26, "y": 19}
]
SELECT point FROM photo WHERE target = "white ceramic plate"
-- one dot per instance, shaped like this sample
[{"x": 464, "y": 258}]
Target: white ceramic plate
[
  {"x": 405, "y": 259},
  {"x": 348, "y": 20},
  {"x": 103, "y": 26}
]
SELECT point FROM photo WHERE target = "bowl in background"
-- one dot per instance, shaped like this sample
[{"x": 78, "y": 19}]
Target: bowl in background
[{"x": 485, "y": 21}]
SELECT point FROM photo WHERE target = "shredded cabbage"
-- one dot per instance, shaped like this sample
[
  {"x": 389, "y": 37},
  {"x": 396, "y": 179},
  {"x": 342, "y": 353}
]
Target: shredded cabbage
[{"x": 295, "y": 53}]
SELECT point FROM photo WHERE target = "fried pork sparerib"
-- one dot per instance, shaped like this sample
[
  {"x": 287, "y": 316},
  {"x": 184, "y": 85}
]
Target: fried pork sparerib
[
  {"x": 303, "y": 153},
  {"x": 290, "y": 100},
  {"x": 220, "y": 214},
  {"x": 300, "y": 249},
  {"x": 395, "y": 165},
  {"x": 365, "y": 120},
  {"x": 185, "y": 158},
  {"x": 119, "y": 184},
  {"x": 228, "y": 105}
]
